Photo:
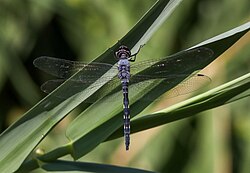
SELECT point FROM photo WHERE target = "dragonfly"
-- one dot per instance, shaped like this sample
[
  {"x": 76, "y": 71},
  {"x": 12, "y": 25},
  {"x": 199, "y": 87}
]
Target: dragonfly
[{"x": 167, "y": 70}]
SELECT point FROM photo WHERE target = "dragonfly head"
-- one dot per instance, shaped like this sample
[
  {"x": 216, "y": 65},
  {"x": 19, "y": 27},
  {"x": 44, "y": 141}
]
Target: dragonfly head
[{"x": 123, "y": 52}]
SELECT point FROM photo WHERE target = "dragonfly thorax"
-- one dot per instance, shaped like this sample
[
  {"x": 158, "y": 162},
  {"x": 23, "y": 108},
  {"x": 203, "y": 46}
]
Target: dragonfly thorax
[
  {"x": 123, "y": 62},
  {"x": 123, "y": 69}
]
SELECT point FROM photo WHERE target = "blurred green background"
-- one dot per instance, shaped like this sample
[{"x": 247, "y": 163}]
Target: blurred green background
[{"x": 215, "y": 141}]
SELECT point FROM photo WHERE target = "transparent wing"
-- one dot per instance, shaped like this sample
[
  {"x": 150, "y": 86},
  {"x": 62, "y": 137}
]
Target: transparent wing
[
  {"x": 190, "y": 85},
  {"x": 171, "y": 84},
  {"x": 62, "y": 68},
  {"x": 179, "y": 63},
  {"x": 79, "y": 85}
]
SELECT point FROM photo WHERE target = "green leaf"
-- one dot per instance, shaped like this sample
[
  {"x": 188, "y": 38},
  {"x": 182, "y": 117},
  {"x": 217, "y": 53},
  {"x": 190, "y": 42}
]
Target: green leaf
[{"x": 69, "y": 166}]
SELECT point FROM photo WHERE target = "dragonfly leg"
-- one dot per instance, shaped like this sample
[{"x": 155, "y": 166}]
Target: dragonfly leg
[{"x": 134, "y": 55}]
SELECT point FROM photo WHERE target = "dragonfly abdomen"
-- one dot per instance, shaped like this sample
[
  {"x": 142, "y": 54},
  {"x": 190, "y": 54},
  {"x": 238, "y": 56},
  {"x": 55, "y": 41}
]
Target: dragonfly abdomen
[{"x": 126, "y": 116}]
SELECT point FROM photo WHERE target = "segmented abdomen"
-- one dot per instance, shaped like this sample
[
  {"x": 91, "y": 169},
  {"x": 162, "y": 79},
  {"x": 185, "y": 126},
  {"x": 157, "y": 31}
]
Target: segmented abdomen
[{"x": 126, "y": 116}]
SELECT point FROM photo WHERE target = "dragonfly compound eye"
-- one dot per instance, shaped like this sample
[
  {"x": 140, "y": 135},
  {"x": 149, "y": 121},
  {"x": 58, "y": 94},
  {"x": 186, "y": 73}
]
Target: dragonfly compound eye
[{"x": 123, "y": 52}]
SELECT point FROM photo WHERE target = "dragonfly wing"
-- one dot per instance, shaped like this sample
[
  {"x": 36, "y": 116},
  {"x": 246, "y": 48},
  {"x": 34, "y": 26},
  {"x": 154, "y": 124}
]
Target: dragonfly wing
[
  {"x": 190, "y": 85},
  {"x": 51, "y": 85},
  {"x": 179, "y": 63},
  {"x": 75, "y": 86},
  {"x": 169, "y": 83},
  {"x": 65, "y": 68}
]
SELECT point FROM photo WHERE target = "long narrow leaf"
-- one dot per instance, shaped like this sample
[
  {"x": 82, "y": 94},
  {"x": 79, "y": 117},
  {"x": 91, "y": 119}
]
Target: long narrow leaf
[{"x": 67, "y": 166}]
